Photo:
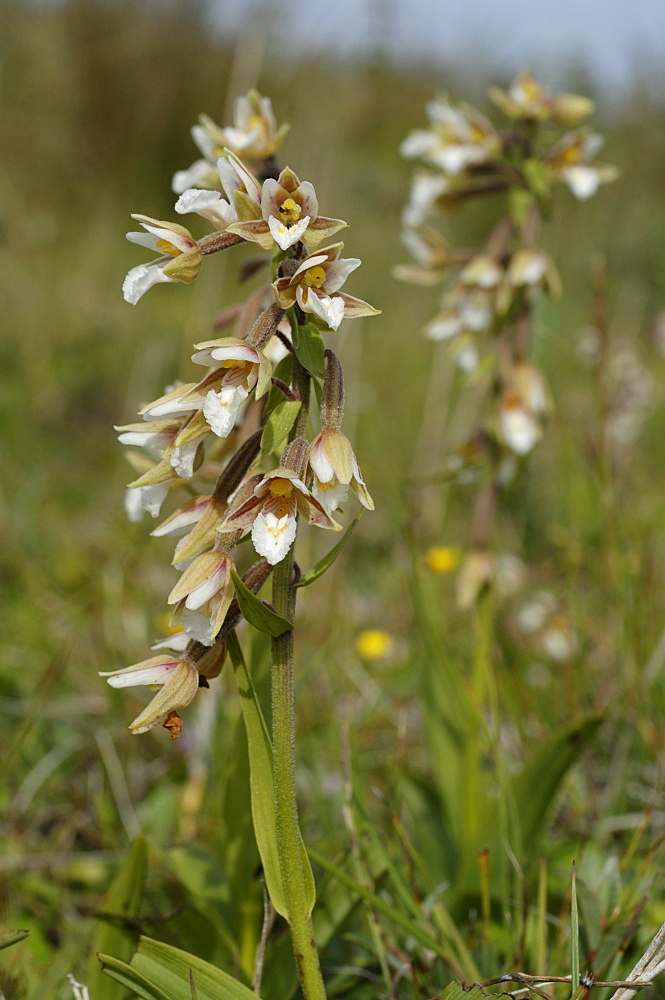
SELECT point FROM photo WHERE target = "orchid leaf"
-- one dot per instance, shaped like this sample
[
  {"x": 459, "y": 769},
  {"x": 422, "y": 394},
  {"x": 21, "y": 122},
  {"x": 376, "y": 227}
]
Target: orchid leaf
[
  {"x": 262, "y": 787},
  {"x": 159, "y": 971},
  {"x": 8, "y": 938},
  {"x": 279, "y": 423},
  {"x": 257, "y": 613},
  {"x": 324, "y": 564},
  {"x": 122, "y": 902},
  {"x": 308, "y": 345}
]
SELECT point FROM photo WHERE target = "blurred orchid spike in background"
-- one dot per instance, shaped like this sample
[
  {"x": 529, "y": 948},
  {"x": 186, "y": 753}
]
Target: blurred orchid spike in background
[{"x": 490, "y": 295}]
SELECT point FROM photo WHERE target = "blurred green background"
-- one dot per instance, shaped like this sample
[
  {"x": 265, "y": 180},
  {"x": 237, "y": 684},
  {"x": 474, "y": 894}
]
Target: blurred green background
[{"x": 97, "y": 103}]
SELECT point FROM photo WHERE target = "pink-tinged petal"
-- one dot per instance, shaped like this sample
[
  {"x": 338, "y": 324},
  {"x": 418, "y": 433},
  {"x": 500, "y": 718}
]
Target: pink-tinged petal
[
  {"x": 228, "y": 177},
  {"x": 204, "y": 140},
  {"x": 199, "y": 595},
  {"x": 177, "y": 641},
  {"x": 170, "y": 404},
  {"x": 242, "y": 352},
  {"x": 141, "y": 278},
  {"x": 419, "y": 143},
  {"x": 155, "y": 670},
  {"x": 264, "y": 374},
  {"x": 311, "y": 261},
  {"x": 308, "y": 201},
  {"x": 171, "y": 232},
  {"x": 310, "y": 508},
  {"x": 254, "y": 230},
  {"x": 322, "y": 229},
  {"x": 202, "y": 570},
  {"x": 225, "y": 349},
  {"x": 272, "y": 537},
  {"x": 133, "y": 507},
  {"x": 209, "y": 204},
  {"x": 182, "y": 520},
  {"x": 243, "y": 516},
  {"x": 219, "y": 606},
  {"x": 338, "y": 272},
  {"x": 320, "y": 463},
  {"x": 152, "y": 497},
  {"x": 592, "y": 144},
  {"x": 246, "y": 178},
  {"x": 286, "y": 236},
  {"x": 272, "y": 197},
  {"x": 289, "y": 181},
  {"x": 583, "y": 180},
  {"x": 354, "y": 308},
  {"x": 241, "y": 140},
  {"x": 362, "y": 493},
  {"x": 220, "y": 408},
  {"x": 332, "y": 495},
  {"x": 197, "y": 626},
  {"x": 178, "y": 691},
  {"x": 330, "y": 310},
  {"x": 444, "y": 326},
  {"x": 200, "y": 175},
  {"x": 285, "y": 292},
  {"x": 146, "y": 240},
  {"x": 183, "y": 458}
]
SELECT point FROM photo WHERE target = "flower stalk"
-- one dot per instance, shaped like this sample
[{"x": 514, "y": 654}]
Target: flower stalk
[
  {"x": 284, "y": 776},
  {"x": 243, "y": 427}
]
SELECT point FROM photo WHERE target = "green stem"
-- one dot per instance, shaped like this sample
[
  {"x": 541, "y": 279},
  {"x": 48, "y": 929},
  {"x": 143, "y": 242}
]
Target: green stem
[{"x": 294, "y": 876}]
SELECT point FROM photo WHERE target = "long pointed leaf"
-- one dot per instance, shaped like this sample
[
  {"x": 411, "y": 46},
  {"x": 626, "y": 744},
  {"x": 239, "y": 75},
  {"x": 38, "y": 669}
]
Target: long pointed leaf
[
  {"x": 327, "y": 561},
  {"x": 535, "y": 787},
  {"x": 257, "y": 613},
  {"x": 169, "y": 969},
  {"x": 262, "y": 786},
  {"x": 124, "y": 974},
  {"x": 8, "y": 938},
  {"x": 123, "y": 899}
]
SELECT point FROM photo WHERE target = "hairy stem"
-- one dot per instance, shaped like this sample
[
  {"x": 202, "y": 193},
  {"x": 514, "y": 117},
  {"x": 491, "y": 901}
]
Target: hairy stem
[{"x": 294, "y": 877}]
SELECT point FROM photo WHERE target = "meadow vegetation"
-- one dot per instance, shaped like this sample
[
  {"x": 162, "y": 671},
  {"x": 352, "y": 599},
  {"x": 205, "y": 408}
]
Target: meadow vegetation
[{"x": 447, "y": 779}]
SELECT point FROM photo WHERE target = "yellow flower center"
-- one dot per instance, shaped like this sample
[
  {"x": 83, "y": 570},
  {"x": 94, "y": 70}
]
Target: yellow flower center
[
  {"x": 531, "y": 89},
  {"x": 281, "y": 487},
  {"x": 571, "y": 155},
  {"x": 289, "y": 211},
  {"x": 168, "y": 248},
  {"x": 282, "y": 501},
  {"x": 314, "y": 277}
]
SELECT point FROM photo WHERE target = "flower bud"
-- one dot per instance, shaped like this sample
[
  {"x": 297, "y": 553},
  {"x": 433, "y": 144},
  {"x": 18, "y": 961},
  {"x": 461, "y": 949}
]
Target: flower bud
[{"x": 332, "y": 403}]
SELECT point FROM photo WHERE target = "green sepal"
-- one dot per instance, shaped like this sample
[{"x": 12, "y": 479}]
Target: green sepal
[
  {"x": 8, "y": 938},
  {"x": 257, "y": 613},
  {"x": 308, "y": 345},
  {"x": 246, "y": 209},
  {"x": 324, "y": 564},
  {"x": 279, "y": 423}
]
